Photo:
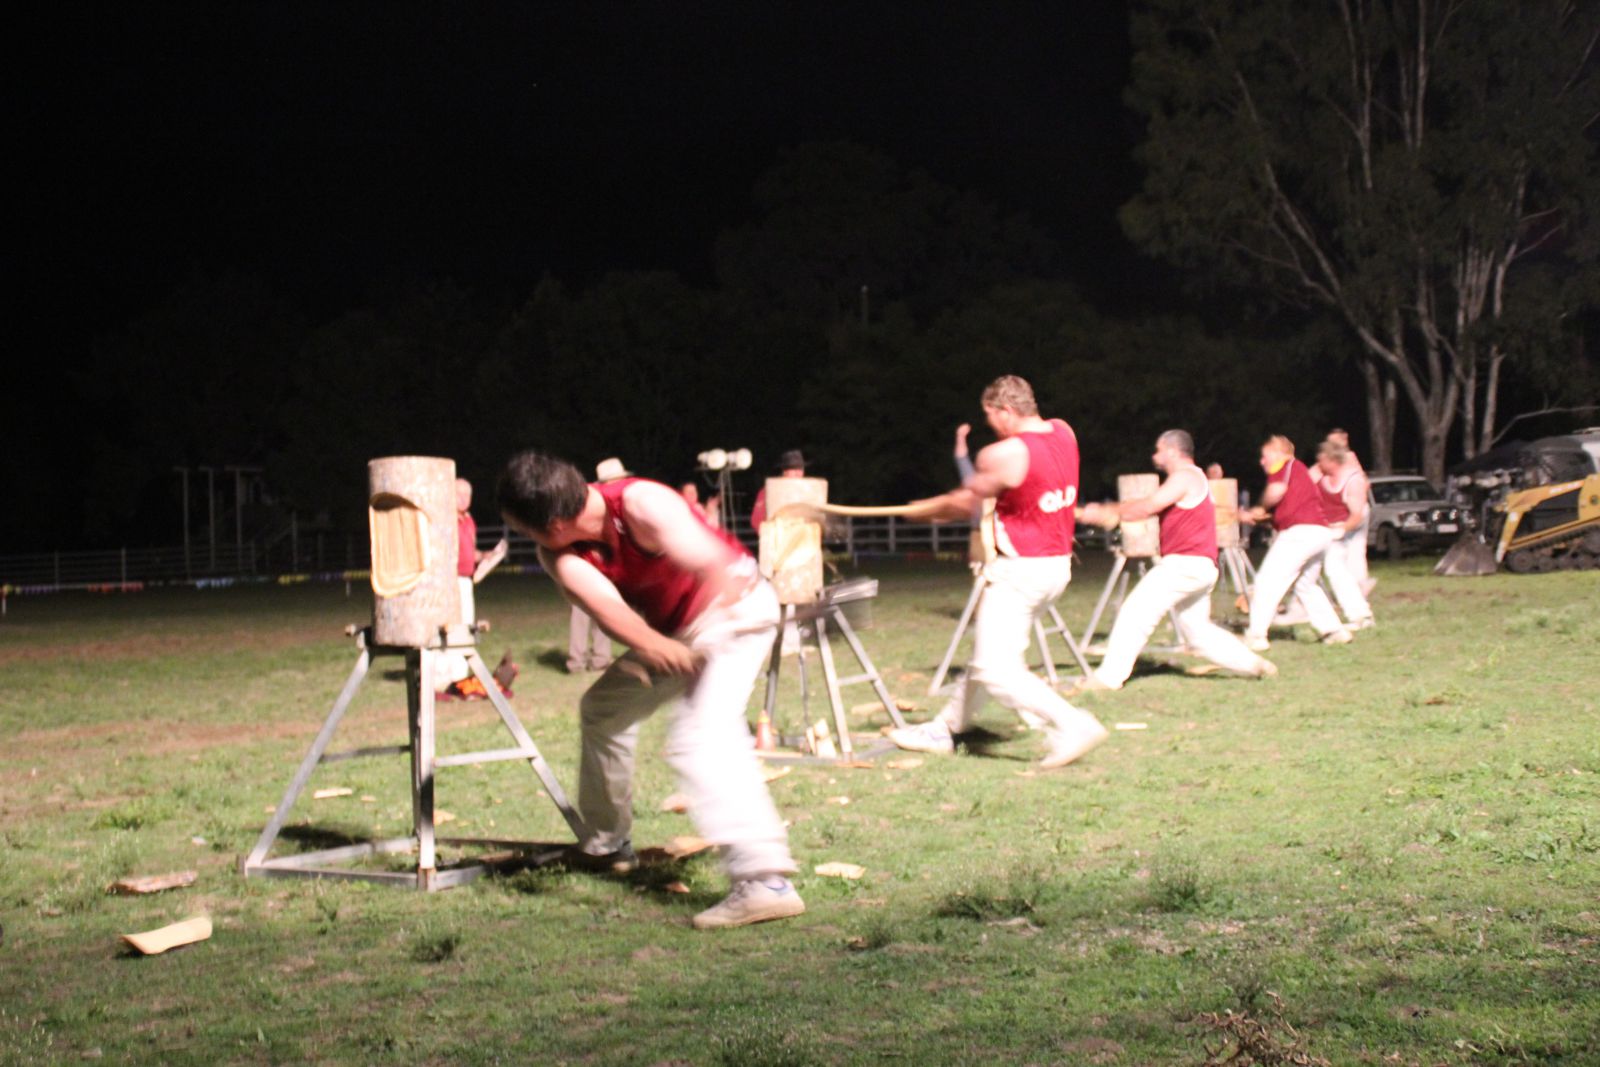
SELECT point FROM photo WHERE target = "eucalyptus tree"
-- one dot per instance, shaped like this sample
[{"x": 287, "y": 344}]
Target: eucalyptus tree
[{"x": 1424, "y": 171}]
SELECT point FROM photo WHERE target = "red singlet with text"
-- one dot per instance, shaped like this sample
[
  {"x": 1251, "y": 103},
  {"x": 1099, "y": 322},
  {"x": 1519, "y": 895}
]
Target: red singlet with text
[
  {"x": 1036, "y": 518},
  {"x": 1301, "y": 504},
  {"x": 1189, "y": 525},
  {"x": 668, "y": 597}
]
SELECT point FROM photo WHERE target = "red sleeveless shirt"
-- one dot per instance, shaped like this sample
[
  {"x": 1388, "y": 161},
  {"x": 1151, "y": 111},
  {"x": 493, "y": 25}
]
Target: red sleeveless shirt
[
  {"x": 1191, "y": 530},
  {"x": 1331, "y": 497},
  {"x": 668, "y": 597},
  {"x": 1036, "y": 518},
  {"x": 1300, "y": 505}
]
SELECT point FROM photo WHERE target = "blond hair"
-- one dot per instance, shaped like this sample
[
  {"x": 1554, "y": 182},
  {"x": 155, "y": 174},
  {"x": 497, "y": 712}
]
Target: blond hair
[
  {"x": 1279, "y": 443},
  {"x": 1010, "y": 391}
]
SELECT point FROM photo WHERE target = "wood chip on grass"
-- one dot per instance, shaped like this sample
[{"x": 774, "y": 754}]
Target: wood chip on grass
[
  {"x": 153, "y": 883},
  {"x": 331, "y": 792},
  {"x": 837, "y": 869},
  {"x": 155, "y": 942}
]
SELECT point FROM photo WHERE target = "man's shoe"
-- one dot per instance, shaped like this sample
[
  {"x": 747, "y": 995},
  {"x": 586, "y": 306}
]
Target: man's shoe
[
  {"x": 622, "y": 861},
  {"x": 1067, "y": 746},
  {"x": 1337, "y": 637},
  {"x": 753, "y": 900},
  {"x": 1092, "y": 683},
  {"x": 931, "y": 736},
  {"x": 1366, "y": 622},
  {"x": 1256, "y": 644},
  {"x": 1266, "y": 669}
]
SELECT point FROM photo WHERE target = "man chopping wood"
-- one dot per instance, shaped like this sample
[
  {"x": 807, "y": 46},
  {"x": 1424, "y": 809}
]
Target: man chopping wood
[
  {"x": 1032, "y": 474},
  {"x": 698, "y": 620},
  {"x": 1182, "y": 581}
]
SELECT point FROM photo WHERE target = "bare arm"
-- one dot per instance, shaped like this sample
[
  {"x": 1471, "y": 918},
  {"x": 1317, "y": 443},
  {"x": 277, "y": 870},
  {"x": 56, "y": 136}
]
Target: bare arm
[
  {"x": 594, "y": 594},
  {"x": 1169, "y": 493},
  {"x": 1355, "y": 498},
  {"x": 1001, "y": 466}
]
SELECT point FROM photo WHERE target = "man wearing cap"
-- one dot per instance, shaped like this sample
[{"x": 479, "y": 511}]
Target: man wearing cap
[
  {"x": 1031, "y": 472},
  {"x": 1295, "y": 558},
  {"x": 588, "y": 647},
  {"x": 698, "y": 619},
  {"x": 1182, "y": 580}
]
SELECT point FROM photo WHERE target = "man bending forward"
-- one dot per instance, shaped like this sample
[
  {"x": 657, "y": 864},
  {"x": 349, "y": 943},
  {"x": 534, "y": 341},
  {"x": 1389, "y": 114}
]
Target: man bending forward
[{"x": 698, "y": 620}]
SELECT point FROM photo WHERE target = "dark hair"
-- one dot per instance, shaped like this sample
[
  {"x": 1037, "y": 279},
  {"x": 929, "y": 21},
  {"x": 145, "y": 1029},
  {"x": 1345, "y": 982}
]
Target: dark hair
[
  {"x": 536, "y": 490},
  {"x": 793, "y": 459},
  {"x": 1179, "y": 439}
]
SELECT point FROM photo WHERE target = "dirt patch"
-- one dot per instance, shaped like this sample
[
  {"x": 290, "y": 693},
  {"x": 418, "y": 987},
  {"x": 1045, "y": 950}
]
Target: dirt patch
[{"x": 1093, "y": 1050}]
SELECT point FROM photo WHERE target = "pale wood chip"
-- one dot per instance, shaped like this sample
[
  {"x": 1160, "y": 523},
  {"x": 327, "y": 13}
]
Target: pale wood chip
[
  {"x": 155, "y": 942},
  {"x": 836, "y": 869},
  {"x": 153, "y": 883},
  {"x": 331, "y": 792}
]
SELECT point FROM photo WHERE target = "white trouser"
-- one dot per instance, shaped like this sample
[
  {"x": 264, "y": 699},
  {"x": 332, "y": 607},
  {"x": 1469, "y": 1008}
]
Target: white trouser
[
  {"x": 452, "y": 665},
  {"x": 1295, "y": 559},
  {"x": 1355, "y": 550},
  {"x": 708, "y": 740},
  {"x": 588, "y": 646},
  {"x": 1182, "y": 584},
  {"x": 1342, "y": 577},
  {"x": 1016, "y": 593}
]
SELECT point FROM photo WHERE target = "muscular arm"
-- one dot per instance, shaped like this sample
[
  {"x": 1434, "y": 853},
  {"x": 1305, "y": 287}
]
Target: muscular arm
[
  {"x": 1169, "y": 493},
  {"x": 588, "y": 589},
  {"x": 1355, "y": 498},
  {"x": 1000, "y": 466}
]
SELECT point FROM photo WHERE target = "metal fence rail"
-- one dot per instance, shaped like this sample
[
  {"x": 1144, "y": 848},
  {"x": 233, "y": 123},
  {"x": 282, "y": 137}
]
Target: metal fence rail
[{"x": 106, "y": 569}]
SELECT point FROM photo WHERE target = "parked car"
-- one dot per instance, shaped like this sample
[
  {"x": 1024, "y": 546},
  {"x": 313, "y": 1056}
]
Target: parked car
[{"x": 1409, "y": 514}]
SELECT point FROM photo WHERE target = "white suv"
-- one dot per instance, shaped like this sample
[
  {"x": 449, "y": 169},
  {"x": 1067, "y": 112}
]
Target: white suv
[{"x": 1409, "y": 515}]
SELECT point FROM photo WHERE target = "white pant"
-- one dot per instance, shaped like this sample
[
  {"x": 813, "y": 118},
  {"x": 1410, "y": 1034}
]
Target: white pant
[
  {"x": 1355, "y": 550},
  {"x": 1342, "y": 577},
  {"x": 1182, "y": 584},
  {"x": 588, "y": 646},
  {"x": 708, "y": 741},
  {"x": 1295, "y": 559},
  {"x": 452, "y": 666},
  {"x": 1016, "y": 593}
]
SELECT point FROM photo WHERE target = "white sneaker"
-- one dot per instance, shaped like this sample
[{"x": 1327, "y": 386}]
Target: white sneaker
[
  {"x": 1256, "y": 644},
  {"x": 1337, "y": 637},
  {"x": 1266, "y": 669},
  {"x": 931, "y": 736},
  {"x": 1366, "y": 622},
  {"x": 753, "y": 900},
  {"x": 1092, "y": 683},
  {"x": 1068, "y": 745}
]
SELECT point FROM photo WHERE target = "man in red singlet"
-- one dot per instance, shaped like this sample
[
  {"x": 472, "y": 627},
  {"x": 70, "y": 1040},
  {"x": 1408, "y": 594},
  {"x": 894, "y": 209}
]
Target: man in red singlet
[
  {"x": 1032, "y": 472},
  {"x": 1295, "y": 558},
  {"x": 698, "y": 620},
  {"x": 1343, "y": 492},
  {"x": 1183, "y": 579}
]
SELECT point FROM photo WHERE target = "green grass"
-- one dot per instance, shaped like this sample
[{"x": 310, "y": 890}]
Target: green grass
[{"x": 1392, "y": 848}]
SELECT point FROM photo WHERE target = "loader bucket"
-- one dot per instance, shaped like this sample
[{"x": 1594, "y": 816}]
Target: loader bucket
[{"x": 1468, "y": 558}]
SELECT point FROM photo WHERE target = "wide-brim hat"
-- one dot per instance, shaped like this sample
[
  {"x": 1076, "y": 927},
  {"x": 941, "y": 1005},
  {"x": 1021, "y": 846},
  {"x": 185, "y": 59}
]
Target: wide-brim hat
[{"x": 609, "y": 470}]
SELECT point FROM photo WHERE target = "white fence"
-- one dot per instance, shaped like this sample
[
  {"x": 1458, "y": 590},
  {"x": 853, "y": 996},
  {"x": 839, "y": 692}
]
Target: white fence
[{"x": 334, "y": 558}]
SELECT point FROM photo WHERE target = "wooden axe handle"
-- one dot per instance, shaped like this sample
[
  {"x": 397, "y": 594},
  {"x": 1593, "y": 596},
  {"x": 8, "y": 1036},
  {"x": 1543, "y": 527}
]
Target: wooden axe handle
[{"x": 908, "y": 511}]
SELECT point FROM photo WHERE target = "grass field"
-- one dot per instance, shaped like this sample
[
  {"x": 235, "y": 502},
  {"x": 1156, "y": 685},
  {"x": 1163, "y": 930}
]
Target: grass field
[{"x": 1388, "y": 854}]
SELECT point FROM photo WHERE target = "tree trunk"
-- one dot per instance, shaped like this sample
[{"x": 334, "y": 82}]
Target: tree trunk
[{"x": 1381, "y": 401}]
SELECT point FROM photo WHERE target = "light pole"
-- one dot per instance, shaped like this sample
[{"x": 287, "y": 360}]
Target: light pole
[
  {"x": 722, "y": 462},
  {"x": 188, "y": 567}
]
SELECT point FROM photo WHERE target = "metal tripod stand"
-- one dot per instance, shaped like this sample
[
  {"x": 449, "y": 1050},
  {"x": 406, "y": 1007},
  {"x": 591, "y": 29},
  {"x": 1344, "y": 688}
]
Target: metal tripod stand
[
  {"x": 1041, "y": 634},
  {"x": 824, "y": 611},
  {"x": 425, "y": 761}
]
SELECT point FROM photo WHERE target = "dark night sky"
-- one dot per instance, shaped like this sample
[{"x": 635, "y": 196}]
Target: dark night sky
[
  {"x": 322, "y": 146},
  {"x": 329, "y": 148}
]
